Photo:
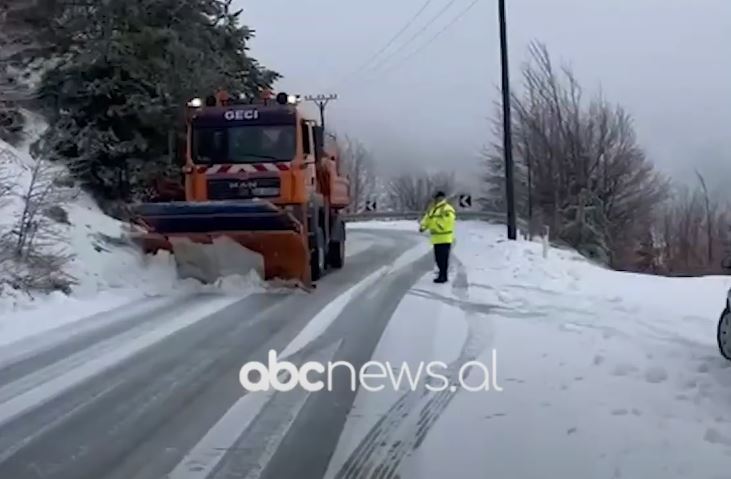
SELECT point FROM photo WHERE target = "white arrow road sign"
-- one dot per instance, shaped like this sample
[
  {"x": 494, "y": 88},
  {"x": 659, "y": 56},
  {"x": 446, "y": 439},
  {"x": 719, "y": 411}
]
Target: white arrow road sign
[{"x": 465, "y": 201}]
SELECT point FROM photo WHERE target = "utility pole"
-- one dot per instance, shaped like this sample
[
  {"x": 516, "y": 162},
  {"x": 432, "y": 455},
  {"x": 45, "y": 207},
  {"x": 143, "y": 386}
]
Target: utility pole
[
  {"x": 321, "y": 101},
  {"x": 507, "y": 125}
]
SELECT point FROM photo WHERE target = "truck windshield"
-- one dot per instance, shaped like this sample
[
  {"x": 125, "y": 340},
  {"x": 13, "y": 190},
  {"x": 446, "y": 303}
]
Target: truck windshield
[{"x": 245, "y": 144}]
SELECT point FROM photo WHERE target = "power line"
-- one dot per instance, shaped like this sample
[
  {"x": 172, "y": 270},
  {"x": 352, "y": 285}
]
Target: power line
[
  {"x": 399, "y": 33},
  {"x": 415, "y": 35},
  {"x": 431, "y": 40},
  {"x": 390, "y": 42}
]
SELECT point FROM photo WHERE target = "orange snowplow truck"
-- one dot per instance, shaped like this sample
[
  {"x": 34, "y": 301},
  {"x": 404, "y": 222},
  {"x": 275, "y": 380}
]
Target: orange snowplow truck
[{"x": 260, "y": 173}]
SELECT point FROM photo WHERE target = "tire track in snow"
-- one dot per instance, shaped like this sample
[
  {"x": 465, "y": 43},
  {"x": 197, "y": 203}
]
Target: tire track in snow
[
  {"x": 29, "y": 393},
  {"x": 407, "y": 423},
  {"x": 97, "y": 424},
  {"x": 359, "y": 463},
  {"x": 83, "y": 347},
  {"x": 44, "y": 384},
  {"x": 102, "y": 324}
]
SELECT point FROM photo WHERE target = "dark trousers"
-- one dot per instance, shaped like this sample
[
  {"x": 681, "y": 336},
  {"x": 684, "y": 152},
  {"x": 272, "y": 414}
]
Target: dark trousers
[{"x": 441, "y": 256}]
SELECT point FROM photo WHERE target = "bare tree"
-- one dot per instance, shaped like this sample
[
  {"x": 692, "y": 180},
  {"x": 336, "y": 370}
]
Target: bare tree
[
  {"x": 579, "y": 167},
  {"x": 32, "y": 256},
  {"x": 694, "y": 231},
  {"x": 649, "y": 254},
  {"x": 709, "y": 216},
  {"x": 360, "y": 168},
  {"x": 408, "y": 192}
]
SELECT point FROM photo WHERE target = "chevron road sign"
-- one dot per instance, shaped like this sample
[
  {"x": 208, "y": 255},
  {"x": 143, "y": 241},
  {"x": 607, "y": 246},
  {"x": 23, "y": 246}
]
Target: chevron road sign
[{"x": 465, "y": 201}]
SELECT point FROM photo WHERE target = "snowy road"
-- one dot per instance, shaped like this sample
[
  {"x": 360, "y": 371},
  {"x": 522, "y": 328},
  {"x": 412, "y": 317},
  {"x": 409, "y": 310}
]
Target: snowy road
[
  {"x": 601, "y": 375},
  {"x": 133, "y": 395}
]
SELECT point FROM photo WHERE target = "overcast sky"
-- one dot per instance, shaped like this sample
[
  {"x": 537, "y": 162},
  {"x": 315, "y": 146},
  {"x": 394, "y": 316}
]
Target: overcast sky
[{"x": 667, "y": 61}]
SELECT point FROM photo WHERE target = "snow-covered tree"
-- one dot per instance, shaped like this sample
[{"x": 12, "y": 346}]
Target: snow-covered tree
[
  {"x": 414, "y": 191},
  {"x": 116, "y": 104}
]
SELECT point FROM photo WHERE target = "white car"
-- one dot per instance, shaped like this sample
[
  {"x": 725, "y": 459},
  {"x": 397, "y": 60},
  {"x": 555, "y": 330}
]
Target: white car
[{"x": 724, "y": 330}]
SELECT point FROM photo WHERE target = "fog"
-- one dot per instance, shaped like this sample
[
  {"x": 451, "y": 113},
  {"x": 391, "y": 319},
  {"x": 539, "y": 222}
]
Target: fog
[{"x": 666, "y": 61}]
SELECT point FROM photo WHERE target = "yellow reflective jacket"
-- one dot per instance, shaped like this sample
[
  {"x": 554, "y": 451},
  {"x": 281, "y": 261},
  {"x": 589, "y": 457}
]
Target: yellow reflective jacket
[{"x": 439, "y": 220}]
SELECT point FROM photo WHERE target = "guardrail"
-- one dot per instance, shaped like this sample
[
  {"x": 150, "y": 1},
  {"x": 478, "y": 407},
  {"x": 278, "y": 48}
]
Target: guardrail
[
  {"x": 415, "y": 215},
  {"x": 488, "y": 216}
]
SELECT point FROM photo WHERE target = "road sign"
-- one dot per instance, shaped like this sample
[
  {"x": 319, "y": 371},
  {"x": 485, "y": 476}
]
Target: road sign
[
  {"x": 371, "y": 205},
  {"x": 465, "y": 201}
]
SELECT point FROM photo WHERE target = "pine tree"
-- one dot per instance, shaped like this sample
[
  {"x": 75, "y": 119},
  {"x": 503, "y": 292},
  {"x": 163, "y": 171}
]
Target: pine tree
[{"x": 118, "y": 99}]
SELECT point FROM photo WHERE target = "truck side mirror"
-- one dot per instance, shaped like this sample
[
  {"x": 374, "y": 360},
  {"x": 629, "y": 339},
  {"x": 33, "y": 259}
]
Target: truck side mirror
[{"x": 306, "y": 138}]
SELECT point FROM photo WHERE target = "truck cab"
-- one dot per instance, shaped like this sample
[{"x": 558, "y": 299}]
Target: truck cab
[
  {"x": 272, "y": 151},
  {"x": 268, "y": 152}
]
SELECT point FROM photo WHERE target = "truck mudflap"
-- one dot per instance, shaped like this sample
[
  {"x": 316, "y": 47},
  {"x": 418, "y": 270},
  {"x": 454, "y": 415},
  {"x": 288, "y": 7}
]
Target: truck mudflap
[{"x": 258, "y": 226}]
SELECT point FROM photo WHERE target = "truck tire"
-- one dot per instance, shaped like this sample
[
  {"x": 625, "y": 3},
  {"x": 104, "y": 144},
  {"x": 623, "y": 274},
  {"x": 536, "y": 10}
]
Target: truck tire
[
  {"x": 723, "y": 334},
  {"x": 336, "y": 254},
  {"x": 317, "y": 256}
]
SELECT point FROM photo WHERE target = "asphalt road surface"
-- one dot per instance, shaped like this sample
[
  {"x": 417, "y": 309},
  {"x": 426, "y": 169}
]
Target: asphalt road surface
[{"x": 113, "y": 401}]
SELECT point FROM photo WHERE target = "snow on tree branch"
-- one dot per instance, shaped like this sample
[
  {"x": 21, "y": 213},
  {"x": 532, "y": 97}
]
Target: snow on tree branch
[
  {"x": 414, "y": 192},
  {"x": 32, "y": 252},
  {"x": 359, "y": 166}
]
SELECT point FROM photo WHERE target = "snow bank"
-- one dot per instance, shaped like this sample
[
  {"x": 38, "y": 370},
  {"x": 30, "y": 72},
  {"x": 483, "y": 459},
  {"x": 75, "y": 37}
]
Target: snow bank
[
  {"x": 101, "y": 260},
  {"x": 603, "y": 374}
]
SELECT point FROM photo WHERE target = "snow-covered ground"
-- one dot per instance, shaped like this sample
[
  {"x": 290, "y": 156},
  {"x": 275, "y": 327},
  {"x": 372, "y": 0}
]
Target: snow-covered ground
[{"x": 603, "y": 374}]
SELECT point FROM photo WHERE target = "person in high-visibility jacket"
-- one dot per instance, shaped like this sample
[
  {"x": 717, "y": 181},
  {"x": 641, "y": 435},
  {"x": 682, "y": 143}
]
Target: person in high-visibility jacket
[{"x": 439, "y": 221}]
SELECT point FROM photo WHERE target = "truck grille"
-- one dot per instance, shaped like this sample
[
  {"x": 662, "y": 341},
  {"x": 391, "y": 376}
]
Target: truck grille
[{"x": 236, "y": 188}]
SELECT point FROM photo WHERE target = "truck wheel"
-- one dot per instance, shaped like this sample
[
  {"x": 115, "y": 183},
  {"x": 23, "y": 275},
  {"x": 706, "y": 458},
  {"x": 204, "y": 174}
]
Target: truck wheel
[
  {"x": 724, "y": 333},
  {"x": 317, "y": 256},
  {"x": 336, "y": 254}
]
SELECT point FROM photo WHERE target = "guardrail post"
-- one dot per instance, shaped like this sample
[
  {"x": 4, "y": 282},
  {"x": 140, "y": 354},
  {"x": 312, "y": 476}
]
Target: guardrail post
[{"x": 545, "y": 240}]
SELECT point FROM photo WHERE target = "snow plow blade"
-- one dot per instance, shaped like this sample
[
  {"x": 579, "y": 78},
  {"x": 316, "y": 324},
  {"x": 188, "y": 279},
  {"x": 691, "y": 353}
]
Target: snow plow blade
[{"x": 258, "y": 226}]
